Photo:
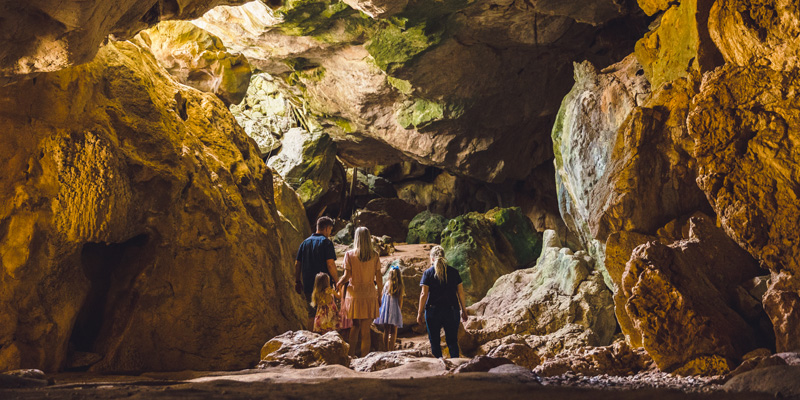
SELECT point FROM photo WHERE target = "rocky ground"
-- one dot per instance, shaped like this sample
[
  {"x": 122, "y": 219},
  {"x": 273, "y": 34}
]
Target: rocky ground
[{"x": 427, "y": 377}]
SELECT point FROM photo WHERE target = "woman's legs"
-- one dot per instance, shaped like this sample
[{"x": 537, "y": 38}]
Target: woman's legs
[
  {"x": 451, "y": 322},
  {"x": 434, "y": 323},
  {"x": 364, "y": 325},
  {"x": 386, "y": 329},
  {"x": 354, "y": 337}
]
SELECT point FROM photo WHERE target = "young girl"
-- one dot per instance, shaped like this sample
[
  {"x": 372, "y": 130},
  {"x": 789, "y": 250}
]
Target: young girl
[
  {"x": 323, "y": 299},
  {"x": 391, "y": 317}
]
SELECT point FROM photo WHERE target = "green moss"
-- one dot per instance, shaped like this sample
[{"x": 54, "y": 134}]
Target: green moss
[
  {"x": 402, "y": 85},
  {"x": 518, "y": 230},
  {"x": 323, "y": 19},
  {"x": 426, "y": 227},
  {"x": 345, "y": 124},
  {"x": 395, "y": 45},
  {"x": 420, "y": 113}
]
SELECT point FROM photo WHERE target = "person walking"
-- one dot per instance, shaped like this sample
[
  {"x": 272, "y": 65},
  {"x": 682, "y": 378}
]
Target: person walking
[
  {"x": 442, "y": 300},
  {"x": 362, "y": 269},
  {"x": 391, "y": 315},
  {"x": 316, "y": 254}
]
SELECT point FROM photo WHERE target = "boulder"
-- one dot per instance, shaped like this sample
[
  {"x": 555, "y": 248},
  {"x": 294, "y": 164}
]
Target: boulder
[
  {"x": 292, "y": 214},
  {"x": 481, "y": 364},
  {"x": 396, "y": 208},
  {"x": 520, "y": 353},
  {"x": 680, "y": 42},
  {"x": 378, "y": 8},
  {"x": 569, "y": 337},
  {"x": 146, "y": 212},
  {"x": 304, "y": 349},
  {"x": 381, "y": 360},
  {"x": 266, "y": 113},
  {"x": 345, "y": 235},
  {"x": 781, "y": 381},
  {"x": 764, "y": 32},
  {"x": 682, "y": 300},
  {"x": 426, "y": 227},
  {"x": 562, "y": 289},
  {"x": 743, "y": 124},
  {"x": 306, "y": 163},
  {"x": 380, "y": 223},
  {"x": 197, "y": 58},
  {"x": 616, "y": 359}
]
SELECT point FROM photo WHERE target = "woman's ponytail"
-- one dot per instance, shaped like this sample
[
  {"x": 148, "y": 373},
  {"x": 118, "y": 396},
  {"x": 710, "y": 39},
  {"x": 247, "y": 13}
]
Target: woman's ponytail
[{"x": 439, "y": 264}]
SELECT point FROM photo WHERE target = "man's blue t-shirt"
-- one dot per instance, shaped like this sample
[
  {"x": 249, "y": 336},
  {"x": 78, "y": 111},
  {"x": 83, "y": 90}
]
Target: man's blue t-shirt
[
  {"x": 313, "y": 255},
  {"x": 441, "y": 294}
]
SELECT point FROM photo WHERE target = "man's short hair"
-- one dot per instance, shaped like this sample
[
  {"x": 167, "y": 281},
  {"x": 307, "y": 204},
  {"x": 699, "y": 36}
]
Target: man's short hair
[{"x": 324, "y": 222}]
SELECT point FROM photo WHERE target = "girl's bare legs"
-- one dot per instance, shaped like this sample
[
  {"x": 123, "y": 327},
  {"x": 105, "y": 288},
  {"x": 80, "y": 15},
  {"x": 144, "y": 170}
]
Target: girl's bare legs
[
  {"x": 392, "y": 340},
  {"x": 363, "y": 327},
  {"x": 353, "y": 340},
  {"x": 385, "y": 328}
]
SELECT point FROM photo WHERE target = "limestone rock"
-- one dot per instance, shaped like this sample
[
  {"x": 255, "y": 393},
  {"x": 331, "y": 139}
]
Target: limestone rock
[
  {"x": 616, "y": 359},
  {"x": 519, "y": 353},
  {"x": 744, "y": 122},
  {"x": 561, "y": 289},
  {"x": 304, "y": 349},
  {"x": 481, "y": 364},
  {"x": 266, "y": 113},
  {"x": 679, "y": 44},
  {"x": 748, "y": 32},
  {"x": 378, "y": 8},
  {"x": 779, "y": 381},
  {"x": 396, "y": 208},
  {"x": 482, "y": 251},
  {"x": 306, "y": 163},
  {"x": 292, "y": 214},
  {"x": 197, "y": 58},
  {"x": 148, "y": 217},
  {"x": 388, "y": 84},
  {"x": 681, "y": 300},
  {"x": 426, "y": 227},
  {"x": 380, "y": 224},
  {"x": 48, "y": 36},
  {"x": 569, "y": 337},
  {"x": 381, "y": 360}
]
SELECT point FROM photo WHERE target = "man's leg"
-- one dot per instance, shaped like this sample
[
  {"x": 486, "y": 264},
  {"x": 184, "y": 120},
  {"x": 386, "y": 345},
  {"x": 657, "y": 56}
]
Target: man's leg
[
  {"x": 434, "y": 323},
  {"x": 451, "y": 323},
  {"x": 312, "y": 312}
]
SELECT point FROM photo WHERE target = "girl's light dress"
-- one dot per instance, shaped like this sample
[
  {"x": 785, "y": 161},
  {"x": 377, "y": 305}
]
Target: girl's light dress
[
  {"x": 390, "y": 313},
  {"x": 327, "y": 318}
]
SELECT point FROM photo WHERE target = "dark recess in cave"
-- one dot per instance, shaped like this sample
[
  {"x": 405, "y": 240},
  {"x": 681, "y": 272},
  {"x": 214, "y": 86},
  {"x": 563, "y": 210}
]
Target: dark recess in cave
[{"x": 110, "y": 269}]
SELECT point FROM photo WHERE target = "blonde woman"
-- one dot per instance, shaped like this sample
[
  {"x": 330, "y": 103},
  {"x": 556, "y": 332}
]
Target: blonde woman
[
  {"x": 442, "y": 300},
  {"x": 362, "y": 268}
]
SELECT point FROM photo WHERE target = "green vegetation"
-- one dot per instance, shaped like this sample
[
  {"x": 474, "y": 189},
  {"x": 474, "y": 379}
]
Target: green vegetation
[
  {"x": 518, "y": 230},
  {"x": 402, "y": 85},
  {"x": 426, "y": 227}
]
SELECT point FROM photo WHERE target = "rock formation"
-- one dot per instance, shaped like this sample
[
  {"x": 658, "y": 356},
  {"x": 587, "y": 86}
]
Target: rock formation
[
  {"x": 304, "y": 349},
  {"x": 197, "y": 58},
  {"x": 48, "y": 36},
  {"x": 484, "y": 247},
  {"x": 139, "y": 224},
  {"x": 561, "y": 290}
]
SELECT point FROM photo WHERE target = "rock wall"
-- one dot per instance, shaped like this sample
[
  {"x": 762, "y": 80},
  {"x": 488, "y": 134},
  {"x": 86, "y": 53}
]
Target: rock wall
[{"x": 137, "y": 223}]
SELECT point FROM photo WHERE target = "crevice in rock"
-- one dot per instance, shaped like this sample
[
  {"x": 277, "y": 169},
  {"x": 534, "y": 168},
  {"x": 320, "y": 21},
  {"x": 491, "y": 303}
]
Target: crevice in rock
[{"x": 108, "y": 267}]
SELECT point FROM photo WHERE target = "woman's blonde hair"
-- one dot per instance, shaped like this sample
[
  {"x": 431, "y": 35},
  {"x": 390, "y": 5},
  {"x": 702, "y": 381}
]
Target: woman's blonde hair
[
  {"x": 321, "y": 283},
  {"x": 396, "y": 287},
  {"x": 363, "y": 244},
  {"x": 439, "y": 263}
]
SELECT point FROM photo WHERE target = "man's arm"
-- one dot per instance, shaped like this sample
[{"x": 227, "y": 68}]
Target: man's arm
[
  {"x": 298, "y": 282},
  {"x": 332, "y": 270}
]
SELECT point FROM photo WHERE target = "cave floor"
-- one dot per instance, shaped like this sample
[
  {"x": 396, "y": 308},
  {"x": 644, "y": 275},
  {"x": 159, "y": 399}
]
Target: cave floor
[{"x": 337, "y": 382}]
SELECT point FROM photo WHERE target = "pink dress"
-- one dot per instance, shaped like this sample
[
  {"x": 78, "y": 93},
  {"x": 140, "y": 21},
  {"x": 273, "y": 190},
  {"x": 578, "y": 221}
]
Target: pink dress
[{"x": 362, "y": 301}]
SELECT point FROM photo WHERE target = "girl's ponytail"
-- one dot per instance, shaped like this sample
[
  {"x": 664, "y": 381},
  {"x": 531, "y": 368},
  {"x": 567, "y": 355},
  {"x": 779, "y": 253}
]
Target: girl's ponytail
[{"x": 396, "y": 287}]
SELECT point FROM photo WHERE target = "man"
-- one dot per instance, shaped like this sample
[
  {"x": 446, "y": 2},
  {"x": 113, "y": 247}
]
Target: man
[{"x": 316, "y": 254}]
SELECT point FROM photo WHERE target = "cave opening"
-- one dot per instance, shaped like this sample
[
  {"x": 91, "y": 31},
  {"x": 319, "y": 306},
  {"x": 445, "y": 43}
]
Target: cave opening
[{"x": 110, "y": 269}]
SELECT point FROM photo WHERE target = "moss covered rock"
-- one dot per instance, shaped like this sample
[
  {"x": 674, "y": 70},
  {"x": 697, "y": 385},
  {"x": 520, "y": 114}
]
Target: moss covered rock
[
  {"x": 426, "y": 227},
  {"x": 477, "y": 245},
  {"x": 306, "y": 163}
]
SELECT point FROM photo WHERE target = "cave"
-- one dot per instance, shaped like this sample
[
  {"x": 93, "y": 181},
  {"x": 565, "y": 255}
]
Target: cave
[
  {"x": 613, "y": 181},
  {"x": 110, "y": 269}
]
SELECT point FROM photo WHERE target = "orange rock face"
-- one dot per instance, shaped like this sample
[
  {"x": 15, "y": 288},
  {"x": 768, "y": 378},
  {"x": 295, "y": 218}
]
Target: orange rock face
[
  {"x": 745, "y": 125},
  {"x": 683, "y": 301},
  {"x": 137, "y": 222}
]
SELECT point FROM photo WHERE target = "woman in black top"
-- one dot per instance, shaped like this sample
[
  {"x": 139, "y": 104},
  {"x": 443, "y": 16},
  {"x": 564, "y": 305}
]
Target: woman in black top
[{"x": 442, "y": 298}]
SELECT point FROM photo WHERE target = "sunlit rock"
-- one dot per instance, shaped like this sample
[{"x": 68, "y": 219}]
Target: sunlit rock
[
  {"x": 745, "y": 122},
  {"x": 141, "y": 224},
  {"x": 304, "y": 349},
  {"x": 306, "y": 163},
  {"x": 682, "y": 298}
]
